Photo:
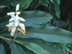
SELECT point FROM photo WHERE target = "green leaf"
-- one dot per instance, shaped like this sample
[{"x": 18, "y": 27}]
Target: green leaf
[
  {"x": 5, "y": 19},
  {"x": 24, "y": 4},
  {"x": 50, "y": 34},
  {"x": 15, "y": 49},
  {"x": 43, "y": 2},
  {"x": 35, "y": 48},
  {"x": 35, "y": 17},
  {"x": 58, "y": 1},
  {"x": 57, "y": 9},
  {"x": 6, "y": 2},
  {"x": 51, "y": 48},
  {"x": 15, "y": 2},
  {"x": 2, "y": 50},
  {"x": 52, "y": 1}
]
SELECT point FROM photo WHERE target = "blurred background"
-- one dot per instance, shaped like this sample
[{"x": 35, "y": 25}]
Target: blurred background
[{"x": 60, "y": 10}]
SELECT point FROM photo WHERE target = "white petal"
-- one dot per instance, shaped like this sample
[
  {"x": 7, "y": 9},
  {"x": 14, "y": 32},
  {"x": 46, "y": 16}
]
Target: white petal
[
  {"x": 11, "y": 19},
  {"x": 11, "y": 13},
  {"x": 10, "y": 24},
  {"x": 23, "y": 28},
  {"x": 21, "y": 19},
  {"x": 16, "y": 23},
  {"x": 17, "y": 7},
  {"x": 16, "y": 18},
  {"x": 21, "y": 25},
  {"x": 18, "y": 13},
  {"x": 13, "y": 31}
]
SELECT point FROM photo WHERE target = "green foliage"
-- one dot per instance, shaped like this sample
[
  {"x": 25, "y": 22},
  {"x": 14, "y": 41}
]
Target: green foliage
[
  {"x": 41, "y": 36},
  {"x": 24, "y": 4},
  {"x": 2, "y": 50},
  {"x": 35, "y": 48},
  {"x": 6, "y": 2},
  {"x": 15, "y": 49},
  {"x": 56, "y": 3}
]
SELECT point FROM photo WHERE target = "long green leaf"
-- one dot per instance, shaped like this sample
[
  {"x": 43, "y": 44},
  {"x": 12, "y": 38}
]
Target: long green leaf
[
  {"x": 51, "y": 48},
  {"x": 35, "y": 48},
  {"x": 57, "y": 9},
  {"x": 35, "y": 17},
  {"x": 50, "y": 34},
  {"x": 58, "y": 1},
  {"x": 15, "y": 49},
  {"x": 24, "y": 4},
  {"x": 2, "y": 50}
]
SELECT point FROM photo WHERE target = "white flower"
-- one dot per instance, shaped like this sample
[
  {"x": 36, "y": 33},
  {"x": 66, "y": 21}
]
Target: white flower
[{"x": 14, "y": 21}]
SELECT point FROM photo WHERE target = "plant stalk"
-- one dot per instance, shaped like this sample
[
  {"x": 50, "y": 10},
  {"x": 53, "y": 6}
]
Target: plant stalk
[{"x": 4, "y": 38}]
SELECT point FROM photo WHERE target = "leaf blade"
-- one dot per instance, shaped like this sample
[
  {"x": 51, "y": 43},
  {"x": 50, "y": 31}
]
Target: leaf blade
[{"x": 35, "y": 48}]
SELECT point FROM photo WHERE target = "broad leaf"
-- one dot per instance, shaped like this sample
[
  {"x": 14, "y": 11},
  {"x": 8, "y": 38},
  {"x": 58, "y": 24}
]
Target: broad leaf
[
  {"x": 15, "y": 49},
  {"x": 2, "y": 50},
  {"x": 36, "y": 17},
  {"x": 24, "y": 4},
  {"x": 50, "y": 34},
  {"x": 51, "y": 48},
  {"x": 35, "y": 48}
]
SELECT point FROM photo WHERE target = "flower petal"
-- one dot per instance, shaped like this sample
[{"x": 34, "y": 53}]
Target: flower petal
[
  {"x": 10, "y": 24},
  {"x": 11, "y": 13},
  {"x": 21, "y": 25},
  {"x": 21, "y": 19},
  {"x": 11, "y": 19},
  {"x": 13, "y": 31},
  {"x": 17, "y": 13},
  {"x": 23, "y": 31},
  {"x": 9, "y": 29},
  {"x": 17, "y": 7},
  {"x": 16, "y": 23}
]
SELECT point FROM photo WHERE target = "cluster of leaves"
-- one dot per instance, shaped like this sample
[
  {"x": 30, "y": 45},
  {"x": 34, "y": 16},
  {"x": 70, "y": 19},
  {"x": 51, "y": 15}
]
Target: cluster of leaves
[{"x": 41, "y": 37}]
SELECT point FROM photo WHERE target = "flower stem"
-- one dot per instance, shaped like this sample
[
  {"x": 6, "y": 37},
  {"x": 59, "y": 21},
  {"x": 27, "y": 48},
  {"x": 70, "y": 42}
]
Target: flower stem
[
  {"x": 15, "y": 35},
  {"x": 4, "y": 38}
]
